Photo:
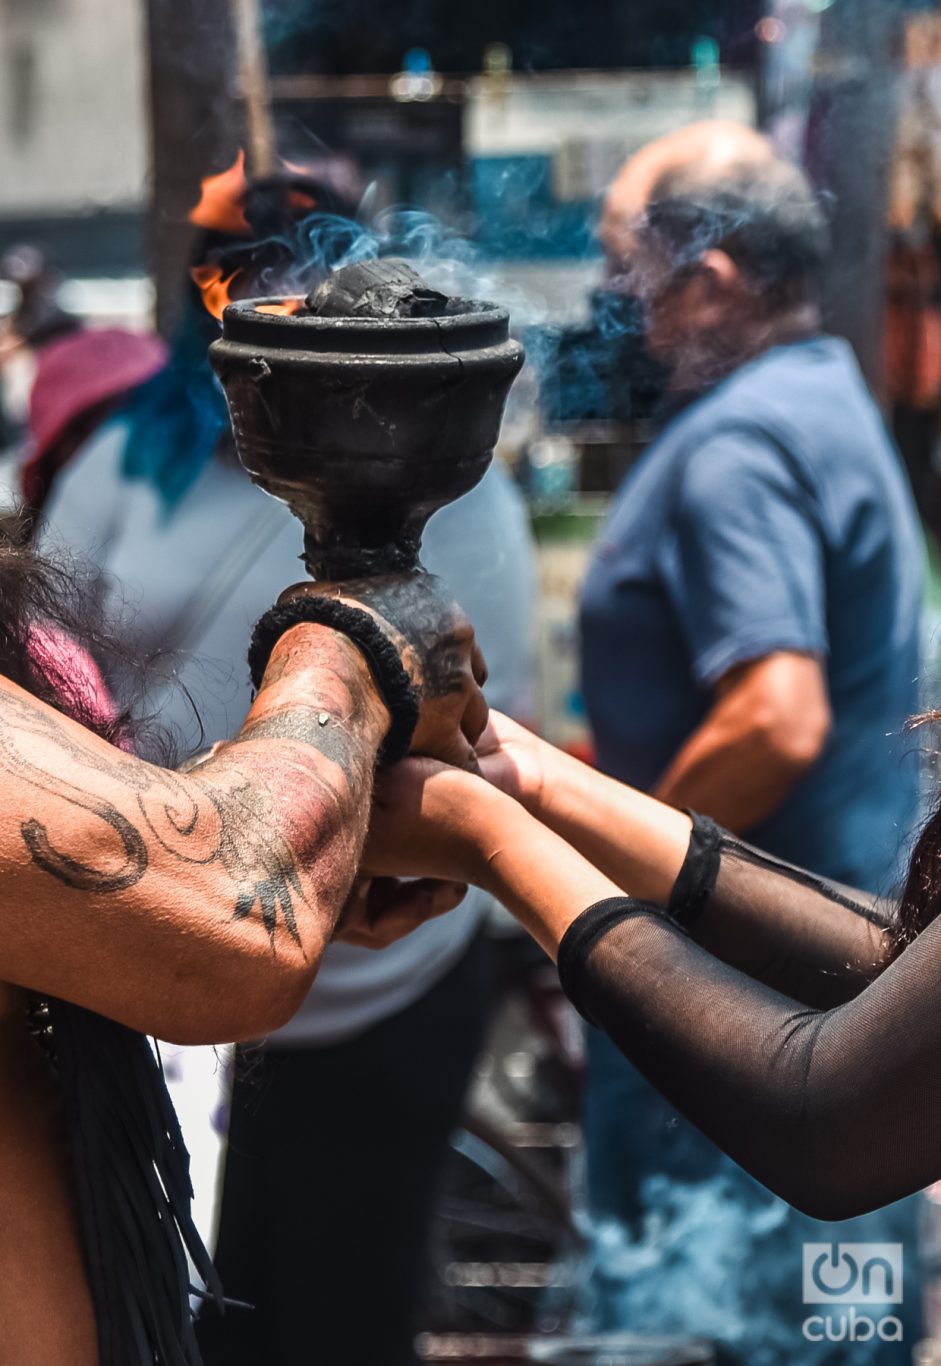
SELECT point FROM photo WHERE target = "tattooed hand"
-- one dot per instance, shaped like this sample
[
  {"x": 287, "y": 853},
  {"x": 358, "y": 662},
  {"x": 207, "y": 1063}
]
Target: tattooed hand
[{"x": 436, "y": 644}]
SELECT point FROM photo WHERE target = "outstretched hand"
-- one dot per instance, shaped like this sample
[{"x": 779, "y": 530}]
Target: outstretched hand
[
  {"x": 441, "y": 825},
  {"x": 436, "y": 644},
  {"x": 431, "y": 820},
  {"x": 423, "y": 829}
]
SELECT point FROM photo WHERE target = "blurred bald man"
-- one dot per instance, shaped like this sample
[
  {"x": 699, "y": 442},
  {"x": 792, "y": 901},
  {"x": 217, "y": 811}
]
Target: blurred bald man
[{"x": 750, "y": 621}]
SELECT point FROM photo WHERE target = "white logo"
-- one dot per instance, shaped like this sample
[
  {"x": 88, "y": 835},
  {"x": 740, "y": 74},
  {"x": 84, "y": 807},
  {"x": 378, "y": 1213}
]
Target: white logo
[
  {"x": 852, "y": 1273},
  {"x": 851, "y": 1326}
]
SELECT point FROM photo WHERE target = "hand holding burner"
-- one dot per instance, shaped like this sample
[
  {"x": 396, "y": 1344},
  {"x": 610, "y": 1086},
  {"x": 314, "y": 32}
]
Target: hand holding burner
[{"x": 435, "y": 642}]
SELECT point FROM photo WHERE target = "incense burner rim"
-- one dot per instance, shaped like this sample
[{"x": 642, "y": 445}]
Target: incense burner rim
[
  {"x": 247, "y": 310},
  {"x": 481, "y": 331}
]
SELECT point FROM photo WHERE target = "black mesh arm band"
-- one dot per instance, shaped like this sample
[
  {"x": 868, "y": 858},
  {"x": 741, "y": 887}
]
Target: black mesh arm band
[
  {"x": 393, "y": 683},
  {"x": 814, "y": 940},
  {"x": 580, "y": 937},
  {"x": 696, "y": 880},
  {"x": 838, "y": 1110}
]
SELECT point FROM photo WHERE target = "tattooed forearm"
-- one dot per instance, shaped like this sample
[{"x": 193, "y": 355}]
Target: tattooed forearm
[
  {"x": 77, "y": 874},
  {"x": 275, "y": 812},
  {"x": 26, "y": 727}
]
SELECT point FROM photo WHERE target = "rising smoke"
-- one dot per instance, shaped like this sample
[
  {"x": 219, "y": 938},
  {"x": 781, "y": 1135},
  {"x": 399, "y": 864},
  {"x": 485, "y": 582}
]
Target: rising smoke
[{"x": 722, "y": 1259}]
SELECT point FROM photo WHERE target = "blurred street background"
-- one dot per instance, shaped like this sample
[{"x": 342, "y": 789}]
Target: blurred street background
[{"x": 502, "y": 122}]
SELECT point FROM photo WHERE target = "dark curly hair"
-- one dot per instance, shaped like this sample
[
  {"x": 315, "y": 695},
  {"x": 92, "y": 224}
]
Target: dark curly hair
[{"x": 921, "y": 895}]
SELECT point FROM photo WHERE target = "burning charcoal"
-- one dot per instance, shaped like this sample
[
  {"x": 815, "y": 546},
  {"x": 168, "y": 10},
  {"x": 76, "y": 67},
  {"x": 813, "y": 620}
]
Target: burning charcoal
[{"x": 389, "y": 288}]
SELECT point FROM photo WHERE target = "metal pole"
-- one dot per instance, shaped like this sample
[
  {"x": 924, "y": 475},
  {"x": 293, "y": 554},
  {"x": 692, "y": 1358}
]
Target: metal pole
[
  {"x": 852, "y": 136},
  {"x": 196, "y": 129},
  {"x": 253, "y": 70}
]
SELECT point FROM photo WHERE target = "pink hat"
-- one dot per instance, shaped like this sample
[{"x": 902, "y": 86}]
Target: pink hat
[{"x": 78, "y": 372}]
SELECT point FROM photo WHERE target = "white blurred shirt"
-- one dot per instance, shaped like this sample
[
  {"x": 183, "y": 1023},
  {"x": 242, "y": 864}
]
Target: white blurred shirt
[{"x": 189, "y": 566}]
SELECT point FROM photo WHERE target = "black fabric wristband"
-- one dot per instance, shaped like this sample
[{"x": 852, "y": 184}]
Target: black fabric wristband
[
  {"x": 696, "y": 880},
  {"x": 582, "y": 935},
  {"x": 395, "y": 687}
]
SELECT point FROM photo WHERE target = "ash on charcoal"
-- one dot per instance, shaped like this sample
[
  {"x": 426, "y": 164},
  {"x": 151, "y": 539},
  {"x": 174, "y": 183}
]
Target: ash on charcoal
[{"x": 389, "y": 288}]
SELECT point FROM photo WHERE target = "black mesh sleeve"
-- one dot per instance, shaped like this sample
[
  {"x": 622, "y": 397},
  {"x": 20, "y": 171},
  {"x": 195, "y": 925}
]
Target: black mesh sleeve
[
  {"x": 837, "y": 1110},
  {"x": 811, "y": 939}
]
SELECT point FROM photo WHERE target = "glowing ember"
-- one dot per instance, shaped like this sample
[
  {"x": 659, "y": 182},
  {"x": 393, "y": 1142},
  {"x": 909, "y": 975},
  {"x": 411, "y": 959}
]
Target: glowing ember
[
  {"x": 220, "y": 204},
  {"x": 215, "y": 289},
  {"x": 281, "y": 310}
]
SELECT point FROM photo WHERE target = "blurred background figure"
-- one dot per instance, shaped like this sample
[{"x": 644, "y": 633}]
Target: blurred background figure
[
  {"x": 38, "y": 317},
  {"x": 367, "y": 1082},
  {"x": 33, "y": 317},
  {"x": 81, "y": 378},
  {"x": 392, "y": 1045},
  {"x": 913, "y": 309},
  {"x": 751, "y": 617},
  {"x": 77, "y": 374}
]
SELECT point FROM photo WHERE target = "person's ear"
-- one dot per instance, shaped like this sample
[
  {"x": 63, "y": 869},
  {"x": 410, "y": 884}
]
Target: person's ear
[{"x": 720, "y": 271}]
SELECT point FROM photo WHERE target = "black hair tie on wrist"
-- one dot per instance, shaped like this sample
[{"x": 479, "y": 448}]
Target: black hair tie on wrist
[
  {"x": 696, "y": 880},
  {"x": 395, "y": 687}
]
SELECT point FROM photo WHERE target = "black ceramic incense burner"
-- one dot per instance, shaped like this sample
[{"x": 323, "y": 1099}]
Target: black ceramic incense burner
[{"x": 366, "y": 407}]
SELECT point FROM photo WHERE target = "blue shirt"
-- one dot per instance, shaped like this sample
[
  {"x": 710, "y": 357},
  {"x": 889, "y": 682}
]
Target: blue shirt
[{"x": 771, "y": 514}]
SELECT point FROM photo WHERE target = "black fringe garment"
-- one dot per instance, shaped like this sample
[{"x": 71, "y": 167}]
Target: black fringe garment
[{"x": 133, "y": 1189}]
